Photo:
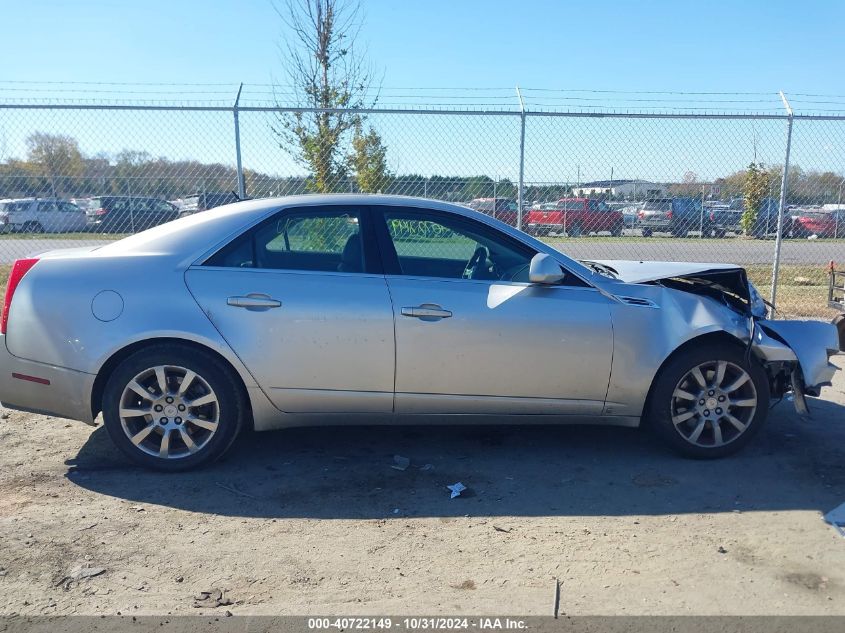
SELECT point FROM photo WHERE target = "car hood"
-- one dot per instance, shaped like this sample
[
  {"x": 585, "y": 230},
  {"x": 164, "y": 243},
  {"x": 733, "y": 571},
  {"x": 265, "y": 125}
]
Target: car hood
[{"x": 636, "y": 272}]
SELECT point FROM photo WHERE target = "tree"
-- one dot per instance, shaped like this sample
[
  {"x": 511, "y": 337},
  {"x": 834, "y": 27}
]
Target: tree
[
  {"x": 57, "y": 157},
  {"x": 368, "y": 160},
  {"x": 326, "y": 73},
  {"x": 754, "y": 190}
]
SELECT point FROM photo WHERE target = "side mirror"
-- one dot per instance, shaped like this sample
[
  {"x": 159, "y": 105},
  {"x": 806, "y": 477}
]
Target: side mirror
[{"x": 544, "y": 270}]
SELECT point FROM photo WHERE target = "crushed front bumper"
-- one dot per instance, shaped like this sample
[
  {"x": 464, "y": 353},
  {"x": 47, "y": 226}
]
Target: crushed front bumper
[{"x": 808, "y": 344}]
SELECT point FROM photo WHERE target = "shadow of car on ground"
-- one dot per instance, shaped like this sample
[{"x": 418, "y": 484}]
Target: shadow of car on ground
[{"x": 347, "y": 473}]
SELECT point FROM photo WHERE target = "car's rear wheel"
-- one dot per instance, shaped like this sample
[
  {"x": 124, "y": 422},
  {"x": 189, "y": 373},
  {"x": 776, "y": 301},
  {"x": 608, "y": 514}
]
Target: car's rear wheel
[
  {"x": 709, "y": 401},
  {"x": 33, "y": 227},
  {"x": 173, "y": 407},
  {"x": 575, "y": 230},
  {"x": 646, "y": 232},
  {"x": 616, "y": 231}
]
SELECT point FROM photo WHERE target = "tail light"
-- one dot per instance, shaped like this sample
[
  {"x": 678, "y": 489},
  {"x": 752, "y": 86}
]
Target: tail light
[
  {"x": 669, "y": 214},
  {"x": 641, "y": 214},
  {"x": 19, "y": 269},
  {"x": 100, "y": 211},
  {"x": 712, "y": 216}
]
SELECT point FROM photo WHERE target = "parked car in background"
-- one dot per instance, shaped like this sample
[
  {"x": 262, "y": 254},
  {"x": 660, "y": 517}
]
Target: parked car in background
[
  {"x": 575, "y": 217},
  {"x": 678, "y": 216},
  {"x": 630, "y": 215},
  {"x": 503, "y": 209},
  {"x": 205, "y": 200},
  {"x": 128, "y": 214},
  {"x": 82, "y": 203},
  {"x": 728, "y": 219},
  {"x": 41, "y": 215},
  {"x": 820, "y": 223}
]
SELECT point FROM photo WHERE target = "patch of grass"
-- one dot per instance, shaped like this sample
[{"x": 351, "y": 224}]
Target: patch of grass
[
  {"x": 802, "y": 289},
  {"x": 4, "y": 277}
]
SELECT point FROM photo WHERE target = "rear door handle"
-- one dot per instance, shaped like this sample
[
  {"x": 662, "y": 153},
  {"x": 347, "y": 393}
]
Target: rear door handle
[
  {"x": 254, "y": 301},
  {"x": 427, "y": 311}
]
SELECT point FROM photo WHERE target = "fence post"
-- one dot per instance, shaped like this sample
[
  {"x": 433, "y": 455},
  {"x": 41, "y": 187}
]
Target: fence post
[
  {"x": 520, "y": 193},
  {"x": 241, "y": 184},
  {"x": 783, "y": 189}
]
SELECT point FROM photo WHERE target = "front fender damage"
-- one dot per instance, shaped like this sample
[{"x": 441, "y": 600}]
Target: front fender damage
[{"x": 811, "y": 342}]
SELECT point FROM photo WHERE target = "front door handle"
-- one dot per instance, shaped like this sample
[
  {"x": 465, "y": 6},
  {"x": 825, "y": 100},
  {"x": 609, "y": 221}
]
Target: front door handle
[
  {"x": 254, "y": 301},
  {"x": 427, "y": 312}
]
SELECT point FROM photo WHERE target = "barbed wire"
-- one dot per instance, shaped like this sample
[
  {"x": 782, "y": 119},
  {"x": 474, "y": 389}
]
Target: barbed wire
[{"x": 504, "y": 98}]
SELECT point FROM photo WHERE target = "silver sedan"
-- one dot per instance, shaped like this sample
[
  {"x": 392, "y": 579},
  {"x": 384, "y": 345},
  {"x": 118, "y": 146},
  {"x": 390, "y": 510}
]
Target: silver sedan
[{"x": 349, "y": 309}]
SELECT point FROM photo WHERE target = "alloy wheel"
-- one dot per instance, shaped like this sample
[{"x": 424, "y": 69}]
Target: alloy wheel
[
  {"x": 713, "y": 404},
  {"x": 169, "y": 412}
]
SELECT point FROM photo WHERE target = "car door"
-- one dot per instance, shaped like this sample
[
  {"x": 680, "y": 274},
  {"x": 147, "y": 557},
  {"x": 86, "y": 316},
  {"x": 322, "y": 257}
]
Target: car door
[
  {"x": 302, "y": 301},
  {"x": 161, "y": 212},
  {"x": 70, "y": 218},
  {"x": 473, "y": 336},
  {"x": 47, "y": 215}
]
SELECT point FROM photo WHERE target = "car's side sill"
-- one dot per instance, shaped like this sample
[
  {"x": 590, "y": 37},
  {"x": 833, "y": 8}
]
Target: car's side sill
[{"x": 361, "y": 419}]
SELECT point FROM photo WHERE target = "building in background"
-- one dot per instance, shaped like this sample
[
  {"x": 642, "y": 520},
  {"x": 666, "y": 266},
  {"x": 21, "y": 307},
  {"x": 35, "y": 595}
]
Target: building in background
[{"x": 622, "y": 189}]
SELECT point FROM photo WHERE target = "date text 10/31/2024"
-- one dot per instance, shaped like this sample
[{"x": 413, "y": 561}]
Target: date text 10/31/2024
[{"x": 415, "y": 623}]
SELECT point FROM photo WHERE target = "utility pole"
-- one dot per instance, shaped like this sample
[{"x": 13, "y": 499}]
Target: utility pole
[{"x": 783, "y": 188}]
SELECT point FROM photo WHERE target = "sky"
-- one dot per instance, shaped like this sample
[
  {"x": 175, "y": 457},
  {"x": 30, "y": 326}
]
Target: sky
[{"x": 749, "y": 46}]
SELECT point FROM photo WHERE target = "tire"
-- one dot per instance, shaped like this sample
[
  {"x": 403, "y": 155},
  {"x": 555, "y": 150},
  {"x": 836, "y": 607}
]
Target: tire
[
  {"x": 646, "y": 232},
  {"x": 33, "y": 227},
  {"x": 213, "y": 426},
  {"x": 689, "y": 426},
  {"x": 839, "y": 322},
  {"x": 719, "y": 233},
  {"x": 616, "y": 231},
  {"x": 575, "y": 230}
]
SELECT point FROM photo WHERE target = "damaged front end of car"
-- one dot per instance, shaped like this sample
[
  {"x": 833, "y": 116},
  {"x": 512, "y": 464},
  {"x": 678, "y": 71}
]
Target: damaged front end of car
[{"x": 795, "y": 354}]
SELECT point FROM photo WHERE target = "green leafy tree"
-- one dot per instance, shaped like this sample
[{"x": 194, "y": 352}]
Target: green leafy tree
[
  {"x": 57, "y": 157},
  {"x": 754, "y": 191},
  {"x": 328, "y": 75},
  {"x": 478, "y": 187},
  {"x": 368, "y": 160}
]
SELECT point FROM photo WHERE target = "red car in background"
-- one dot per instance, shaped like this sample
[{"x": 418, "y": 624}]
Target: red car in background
[
  {"x": 574, "y": 216},
  {"x": 821, "y": 223}
]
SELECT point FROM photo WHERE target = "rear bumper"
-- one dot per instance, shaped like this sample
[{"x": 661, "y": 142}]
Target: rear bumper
[
  {"x": 654, "y": 223},
  {"x": 55, "y": 391}
]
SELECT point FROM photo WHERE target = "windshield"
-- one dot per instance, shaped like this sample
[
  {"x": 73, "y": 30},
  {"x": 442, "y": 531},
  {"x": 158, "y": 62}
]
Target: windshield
[
  {"x": 570, "y": 205},
  {"x": 658, "y": 205},
  {"x": 11, "y": 207}
]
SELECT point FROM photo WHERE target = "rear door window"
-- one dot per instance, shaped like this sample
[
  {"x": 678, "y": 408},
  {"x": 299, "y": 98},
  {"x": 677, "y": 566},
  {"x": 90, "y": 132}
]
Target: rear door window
[{"x": 320, "y": 239}]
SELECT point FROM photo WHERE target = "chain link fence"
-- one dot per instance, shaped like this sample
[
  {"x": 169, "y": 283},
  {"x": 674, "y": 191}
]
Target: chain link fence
[{"x": 596, "y": 185}]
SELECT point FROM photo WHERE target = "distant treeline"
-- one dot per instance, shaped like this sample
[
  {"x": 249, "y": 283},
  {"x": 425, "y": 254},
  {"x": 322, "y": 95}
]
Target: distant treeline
[{"x": 55, "y": 166}]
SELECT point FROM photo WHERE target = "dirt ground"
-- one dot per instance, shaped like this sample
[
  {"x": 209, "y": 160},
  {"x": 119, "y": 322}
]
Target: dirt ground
[{"x": 317, "y": 521}]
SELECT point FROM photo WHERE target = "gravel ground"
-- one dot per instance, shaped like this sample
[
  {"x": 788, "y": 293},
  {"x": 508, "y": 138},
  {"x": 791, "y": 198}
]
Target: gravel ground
[{"x": 316, "y": 521}]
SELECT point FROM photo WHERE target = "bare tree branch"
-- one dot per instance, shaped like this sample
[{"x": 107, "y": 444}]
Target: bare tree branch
[{"x": 326, "y": 72}]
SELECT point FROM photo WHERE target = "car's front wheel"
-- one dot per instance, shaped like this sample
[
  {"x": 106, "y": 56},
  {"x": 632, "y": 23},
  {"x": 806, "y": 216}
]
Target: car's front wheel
[
  {"x": 709, "y": 401},
  {"x": 173, "y": 407}
]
